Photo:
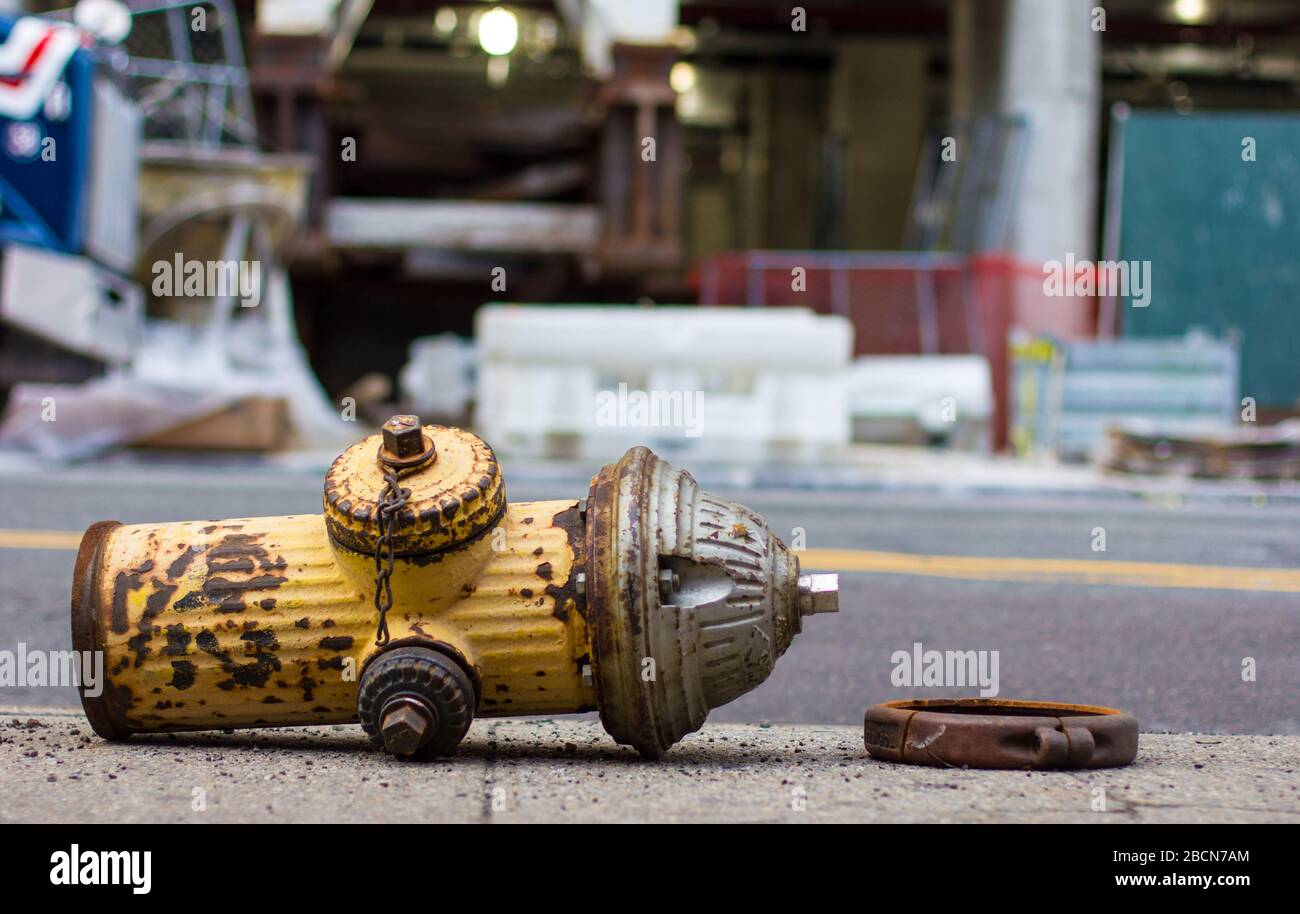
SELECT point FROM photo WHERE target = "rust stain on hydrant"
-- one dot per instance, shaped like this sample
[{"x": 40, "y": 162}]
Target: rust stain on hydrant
[{"x": 627, "y": 601}]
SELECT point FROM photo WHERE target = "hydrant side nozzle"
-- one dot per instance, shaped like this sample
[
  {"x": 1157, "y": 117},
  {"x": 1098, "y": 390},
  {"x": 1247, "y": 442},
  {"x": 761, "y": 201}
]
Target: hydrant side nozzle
[{"x": 415, "y": 701}]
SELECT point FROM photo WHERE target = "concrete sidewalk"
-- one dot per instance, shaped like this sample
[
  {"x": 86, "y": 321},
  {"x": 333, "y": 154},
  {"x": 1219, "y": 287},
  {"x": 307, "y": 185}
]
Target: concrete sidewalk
[{"x": 57, "y": 770}]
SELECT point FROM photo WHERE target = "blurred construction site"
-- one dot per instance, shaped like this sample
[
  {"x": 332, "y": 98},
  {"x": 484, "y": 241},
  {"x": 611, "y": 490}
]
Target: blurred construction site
[{"x": 747, "y": 232}]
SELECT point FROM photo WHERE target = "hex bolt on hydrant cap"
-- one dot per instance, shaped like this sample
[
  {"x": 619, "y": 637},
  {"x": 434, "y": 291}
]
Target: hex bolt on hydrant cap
[
  {"x": 669, "y": 583},
  {"x": 403, "y": 439},
  {"x": 407, "y": 725}
]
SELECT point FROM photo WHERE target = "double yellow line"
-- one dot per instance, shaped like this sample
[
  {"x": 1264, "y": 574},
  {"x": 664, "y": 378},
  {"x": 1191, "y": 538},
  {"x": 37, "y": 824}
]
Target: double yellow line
[{"x": 959, "y": 567}]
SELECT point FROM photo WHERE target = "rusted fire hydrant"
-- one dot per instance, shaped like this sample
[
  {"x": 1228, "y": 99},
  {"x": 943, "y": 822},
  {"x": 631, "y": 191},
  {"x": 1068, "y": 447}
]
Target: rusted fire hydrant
[{"x": 651, "y": 601}]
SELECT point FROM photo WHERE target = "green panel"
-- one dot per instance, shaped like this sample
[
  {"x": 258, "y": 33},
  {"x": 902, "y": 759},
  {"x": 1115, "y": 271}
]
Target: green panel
[{"x": 1222, "y": 236}]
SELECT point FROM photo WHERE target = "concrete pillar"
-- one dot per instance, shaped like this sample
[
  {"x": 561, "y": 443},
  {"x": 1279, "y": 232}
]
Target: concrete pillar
[{"x": 1040, "y": 59}]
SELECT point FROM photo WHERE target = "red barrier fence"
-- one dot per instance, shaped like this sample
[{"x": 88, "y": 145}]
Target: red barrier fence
[{"x": 907, "y": 303}]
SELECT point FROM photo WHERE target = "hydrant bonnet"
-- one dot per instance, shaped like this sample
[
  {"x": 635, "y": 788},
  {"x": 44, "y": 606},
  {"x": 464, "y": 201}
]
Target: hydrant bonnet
[{"x": 671, "y": 646}]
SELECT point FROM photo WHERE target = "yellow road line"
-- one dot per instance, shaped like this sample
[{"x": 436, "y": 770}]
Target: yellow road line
[
  {"x": 961, "y": 567},
  {"x": 1075, "y": 571},
  {"x": 39, "y": 539}
]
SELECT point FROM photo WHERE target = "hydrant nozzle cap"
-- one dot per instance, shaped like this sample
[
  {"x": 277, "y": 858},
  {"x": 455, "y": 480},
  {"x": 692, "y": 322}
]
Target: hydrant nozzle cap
[{"x": 452, "y": 499}]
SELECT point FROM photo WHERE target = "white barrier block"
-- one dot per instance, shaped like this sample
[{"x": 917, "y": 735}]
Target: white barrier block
[{"x": 702, "y": 383}]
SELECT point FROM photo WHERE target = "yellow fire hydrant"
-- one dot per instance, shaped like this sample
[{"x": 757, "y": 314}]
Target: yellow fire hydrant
[{"x": 420, "y": 599}]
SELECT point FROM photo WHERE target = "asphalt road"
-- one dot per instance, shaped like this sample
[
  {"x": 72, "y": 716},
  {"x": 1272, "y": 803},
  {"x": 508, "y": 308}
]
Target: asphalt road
[{"x": 1172, "y": 656}]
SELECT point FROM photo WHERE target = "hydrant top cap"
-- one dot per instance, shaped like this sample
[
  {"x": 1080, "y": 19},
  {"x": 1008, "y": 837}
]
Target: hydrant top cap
[{"x": 452, "y": 499}]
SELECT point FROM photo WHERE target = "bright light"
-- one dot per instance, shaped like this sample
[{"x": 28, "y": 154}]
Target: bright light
[
  {"x": 1189, "y": 10},
  {"x": 498, "y": 30},
  {"x": 107, "y": 20},
  {"x": 682, "y": 77},
  {"x": 444, "y": 21}
]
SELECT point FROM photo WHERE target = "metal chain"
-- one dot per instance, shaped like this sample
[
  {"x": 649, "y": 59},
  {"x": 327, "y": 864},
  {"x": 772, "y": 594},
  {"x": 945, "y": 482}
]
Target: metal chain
[{"x": 391, "y": 501}]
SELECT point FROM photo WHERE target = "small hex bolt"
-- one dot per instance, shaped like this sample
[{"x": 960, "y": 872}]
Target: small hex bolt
[
  {"x": 406, "y": 726},
  {"x": 819, "y": 593},
  {"x": 669, "y": 583},
  {"x": 403, "y": 437}
]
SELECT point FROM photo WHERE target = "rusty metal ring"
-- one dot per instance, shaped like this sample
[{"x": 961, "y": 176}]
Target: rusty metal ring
[
  {"x": 999, "y": 733},
  {"x": 406, "y": 463}
]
